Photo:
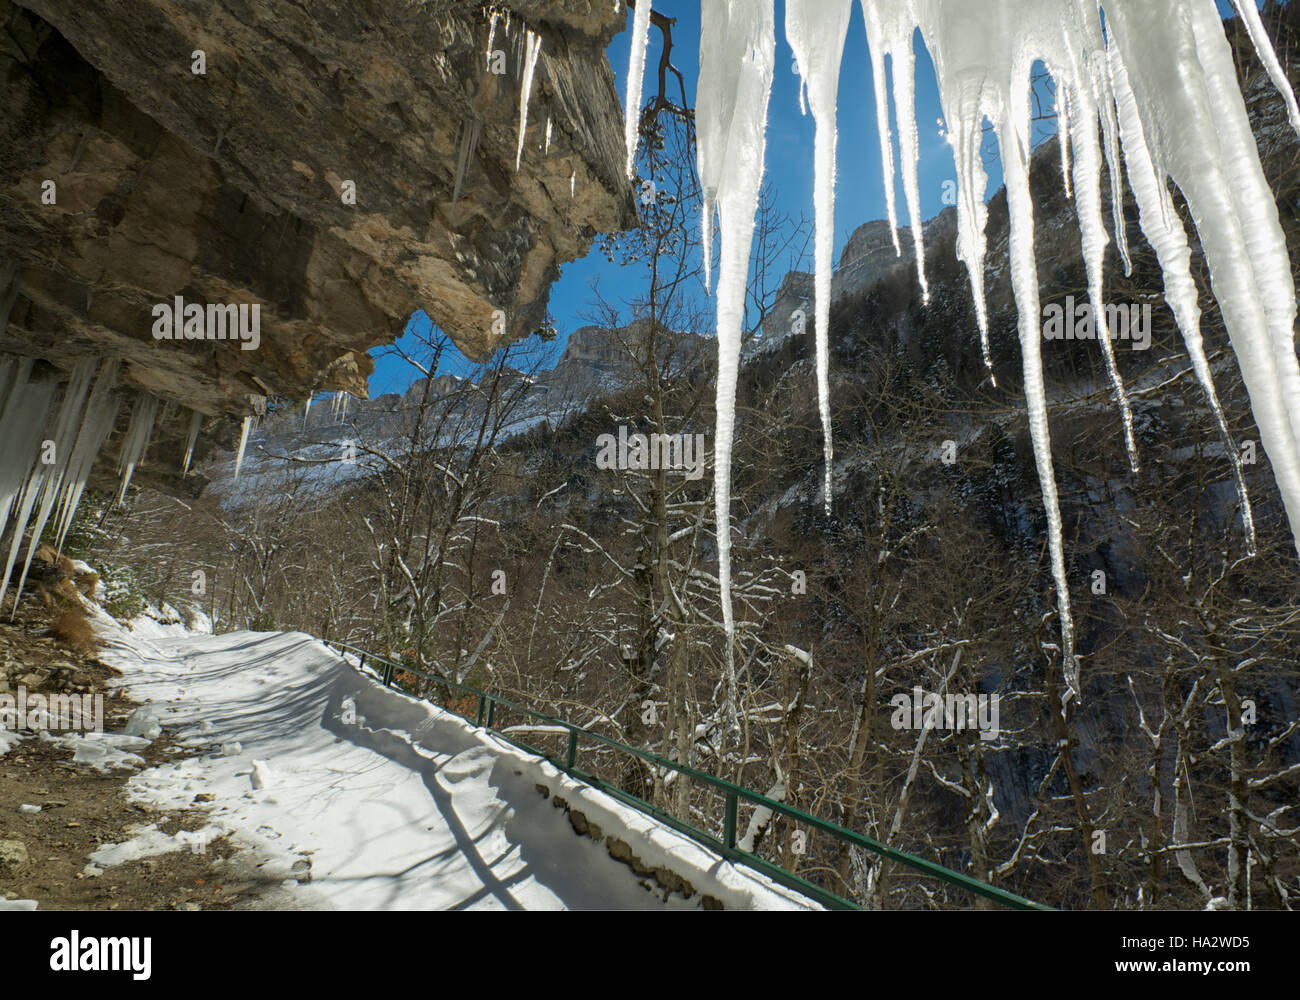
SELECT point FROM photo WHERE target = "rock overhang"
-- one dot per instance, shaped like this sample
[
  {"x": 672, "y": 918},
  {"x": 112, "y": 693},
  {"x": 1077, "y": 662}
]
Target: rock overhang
[{"x": 339, "y": 167}]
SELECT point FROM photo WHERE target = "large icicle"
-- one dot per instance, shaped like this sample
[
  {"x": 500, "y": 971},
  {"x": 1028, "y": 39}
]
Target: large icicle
[
  {"x": 23, "y": 416},
  {"x": 737, "y": 57},
  {"x": 136, "y": 441},
  {"x": 96, "y": 425},
  {"x": 1164, "y": 231},
  {"x": 1202, "y": 133},
  {"x": 635, "y": 76},
  {"x": 19, "y": 441},
  {"x": 532, "y": 48},
  {"x": 816, "y": 30},
  {"x": 1161, "y": 73},
  {"x": 243, "y": 443},
  {"x": 1259, "y": 38},
  {"x": 192, "y": 436},
  {"x": 52, "y": 474},
  {"x": 891, "y": 26},
  {"x": 1078, "y": 92}
]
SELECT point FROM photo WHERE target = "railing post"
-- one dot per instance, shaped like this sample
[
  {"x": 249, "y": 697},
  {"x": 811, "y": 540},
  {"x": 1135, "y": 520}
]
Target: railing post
[
  {"x": 481, "y": 706},
  {"x": 492, "y": 710},
  {"x": 573, "y": 748},
  {"x": 388, "y": 675},
  {"x": 729, "y": 821}
]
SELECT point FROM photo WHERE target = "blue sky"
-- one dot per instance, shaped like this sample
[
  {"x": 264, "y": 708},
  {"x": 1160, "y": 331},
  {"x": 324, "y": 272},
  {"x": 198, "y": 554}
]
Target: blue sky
[{"x": 859, "y": 195}]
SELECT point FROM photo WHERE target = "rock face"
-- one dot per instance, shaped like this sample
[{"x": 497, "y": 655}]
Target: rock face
[
  {"x": 340, "y": 165},
  {"x": 596, "y": 362}
]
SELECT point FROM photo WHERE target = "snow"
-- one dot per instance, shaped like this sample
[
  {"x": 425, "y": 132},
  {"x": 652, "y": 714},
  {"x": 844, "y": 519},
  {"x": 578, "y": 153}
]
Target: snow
[
  {"x": 102, "y": 752},
  {"x": 8, "y": 740},
  {"x": 148, "y": 841},
  {"x": 360, "y": 797},
  {"x": 1159, "y": 75}
]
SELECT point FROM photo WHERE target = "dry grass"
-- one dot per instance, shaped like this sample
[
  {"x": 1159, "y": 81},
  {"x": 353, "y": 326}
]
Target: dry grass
[{"x": 74, "y": 630}]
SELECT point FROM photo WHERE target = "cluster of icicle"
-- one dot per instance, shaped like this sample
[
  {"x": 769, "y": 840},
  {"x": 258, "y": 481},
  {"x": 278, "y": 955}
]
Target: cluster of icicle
[
  {"x": 1150, "y": 85},
  {"x": 338, "y": 413},
  {"x": 50, "y": 443}
]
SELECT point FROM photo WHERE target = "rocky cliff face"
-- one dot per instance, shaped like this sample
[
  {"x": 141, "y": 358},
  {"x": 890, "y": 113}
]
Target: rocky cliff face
[{"x": 338, "y": 165}]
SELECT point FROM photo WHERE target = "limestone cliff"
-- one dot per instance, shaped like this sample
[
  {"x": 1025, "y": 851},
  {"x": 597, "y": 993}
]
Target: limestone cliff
[{"x": 338, "y": 164}]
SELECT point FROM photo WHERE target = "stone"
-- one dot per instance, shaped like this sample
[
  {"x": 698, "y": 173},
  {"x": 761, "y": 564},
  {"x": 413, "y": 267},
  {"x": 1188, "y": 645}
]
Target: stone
[
  {"x": 13, "y": 855},
  {"x": 235, "y": 186}
]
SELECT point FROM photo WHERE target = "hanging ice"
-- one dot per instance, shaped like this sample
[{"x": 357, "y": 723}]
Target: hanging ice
[
  {"x": 136, "y": 441},
  {"x": 96, "y": 425},
  {"x": 192, "y": 435},
  {"x": 23, "y": 413},
  {"x": 48, "y": 474},
  {"x": 243, "y": 443},
  {"x": 635, "y": 75},
  {"x": 737, "y": 56},
  {"x": 890, "y": 30},
  {"x": 1159, "y": 76},
  {"x": 816, "y": 30},
  {"x": 532, "y": 48}
]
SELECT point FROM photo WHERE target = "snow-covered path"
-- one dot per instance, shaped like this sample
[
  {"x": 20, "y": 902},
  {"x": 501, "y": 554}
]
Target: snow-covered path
[{"x": 383, "y": 801}]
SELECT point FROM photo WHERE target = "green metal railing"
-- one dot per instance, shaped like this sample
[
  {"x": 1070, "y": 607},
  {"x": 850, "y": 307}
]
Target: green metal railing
[{"x": 732, "y": 794}]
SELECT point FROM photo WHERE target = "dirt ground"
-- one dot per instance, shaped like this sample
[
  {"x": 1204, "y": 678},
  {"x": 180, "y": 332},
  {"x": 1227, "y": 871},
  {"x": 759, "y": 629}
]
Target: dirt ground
[{"x": 80, "y": 808}]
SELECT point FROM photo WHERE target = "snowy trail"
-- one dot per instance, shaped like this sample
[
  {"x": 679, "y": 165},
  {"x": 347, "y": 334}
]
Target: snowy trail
[{"x": 394, "y": 803}]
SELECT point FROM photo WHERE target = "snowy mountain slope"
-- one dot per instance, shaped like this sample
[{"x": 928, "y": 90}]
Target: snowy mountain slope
[{"x": 382, "y": 801}]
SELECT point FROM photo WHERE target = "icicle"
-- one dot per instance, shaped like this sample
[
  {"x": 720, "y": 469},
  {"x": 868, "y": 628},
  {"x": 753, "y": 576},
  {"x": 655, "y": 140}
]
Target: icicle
[
  {"x": 532, "y": 48},
  {"x": 546, "y": 149},
  {"x": 1264, "y": 49},
  {"x": 136, "y": 440},
  {"x": 1110, "y": 135},
  {"x": 192, "y": 436},
  {"x": 51, "y": 476},
  {"x": 1165, "y": 232},
  {"x": 635, "y": 75},
  {"x": 1063, "y": 133},
  {"x": 96, "y": 425},
  {"x": 17, "y": 444},
  {"x": 890, "y": 30},
  {"x": 492, "y": 34},
  {"x": 737, "y": 58},
  {"x": 816, "y": 30},
  {"x": 243, "y": 443},
  {"x": 1080, "y": 131},
  {"x": 1160, "y": 73},
  {"x": 877, "y": 51},
  {"x": 468, "y": 144},
  {"x": 1013, "y": 138},
  {"x": 21, "y": 472}
]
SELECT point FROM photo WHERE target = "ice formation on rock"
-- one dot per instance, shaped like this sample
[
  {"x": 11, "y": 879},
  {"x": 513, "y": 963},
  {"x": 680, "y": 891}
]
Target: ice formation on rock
[
  {"x": 635, "y": 75},
  {"x": 532, "y": 49},
  {"x": 138, "y": 433},
  {"x": 192, "y": 436},
  {"x": 1156, "y": 76},
  {"x": 243, "y": 443}
]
